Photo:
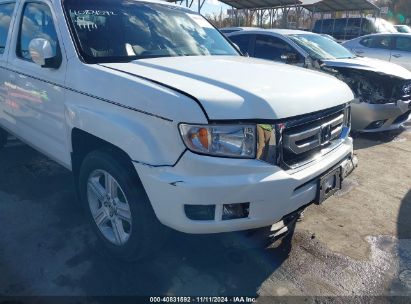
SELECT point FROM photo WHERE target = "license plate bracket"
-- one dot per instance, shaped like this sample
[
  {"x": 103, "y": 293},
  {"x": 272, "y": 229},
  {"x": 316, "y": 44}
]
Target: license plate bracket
[{"x": 328, "y": 185}]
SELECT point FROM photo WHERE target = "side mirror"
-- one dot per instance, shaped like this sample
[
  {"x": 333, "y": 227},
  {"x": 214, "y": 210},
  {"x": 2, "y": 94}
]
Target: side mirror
[
  {"x": 42, "y": 53},
  {"x": 289, "y": 58},
  {"x": 237, "y": 48}
]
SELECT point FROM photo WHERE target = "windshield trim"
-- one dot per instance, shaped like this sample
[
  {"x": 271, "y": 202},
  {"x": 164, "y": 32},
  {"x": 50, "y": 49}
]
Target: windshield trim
[{"x": 85, "y": 58}]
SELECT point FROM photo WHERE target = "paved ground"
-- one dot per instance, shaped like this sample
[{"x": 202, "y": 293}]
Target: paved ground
[{"x": 358, "y": 243}]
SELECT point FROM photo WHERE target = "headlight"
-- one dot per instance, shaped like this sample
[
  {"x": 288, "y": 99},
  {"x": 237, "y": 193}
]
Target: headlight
[{"x": 237, "y": 141}]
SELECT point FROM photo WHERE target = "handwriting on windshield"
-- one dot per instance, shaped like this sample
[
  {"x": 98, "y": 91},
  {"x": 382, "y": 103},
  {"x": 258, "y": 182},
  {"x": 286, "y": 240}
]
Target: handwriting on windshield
[
  {"x": 92, "y": 12},
  {"x": 83, "y": 23}
]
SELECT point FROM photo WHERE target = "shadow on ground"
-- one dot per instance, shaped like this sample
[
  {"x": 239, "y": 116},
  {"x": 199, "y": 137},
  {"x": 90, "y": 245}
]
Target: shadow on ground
[
  {"x": 373, "y": 139},
  {"x": 46, "y": 247},
  {"x": 404, "y": 217}
]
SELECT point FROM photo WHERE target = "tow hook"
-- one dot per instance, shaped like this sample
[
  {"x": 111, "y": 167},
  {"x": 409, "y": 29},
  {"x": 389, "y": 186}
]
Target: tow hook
[
  {"x": 287, "y": 225},
  {"x": 349, "y": 165}
]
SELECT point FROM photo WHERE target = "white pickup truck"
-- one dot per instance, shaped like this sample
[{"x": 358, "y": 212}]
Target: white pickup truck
[{"x": 161, "y": 120}]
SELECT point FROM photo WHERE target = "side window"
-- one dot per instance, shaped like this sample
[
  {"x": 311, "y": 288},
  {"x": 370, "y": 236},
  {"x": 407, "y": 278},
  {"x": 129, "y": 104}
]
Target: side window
[
  {"x": 326, "y": 27},
  {"x": 317, "y": 26},
  {"x": 378, "y": 42},
  {"x": 271, "y": 48},
  {"x": 353, "y": 27},
  {"x": 323, "y": 26},
  {"x": 6, "y": 12},
  {"x": 403, "y": 44},
  {"x": 366, "y": 41},
  {"x": 37, "y": 22},
  {"x": 243, "y": 41},
  {"x": 339, "y": 27}
]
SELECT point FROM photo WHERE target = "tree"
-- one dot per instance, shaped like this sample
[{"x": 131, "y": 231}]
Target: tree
[{"x": 402, "y": 9}]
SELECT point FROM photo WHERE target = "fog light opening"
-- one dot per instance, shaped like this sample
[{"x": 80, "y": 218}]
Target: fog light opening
[
  {"x": 376, "y": 124},
  {"x": 236, "y": 211},
  {"x": 200, "y": 212}
]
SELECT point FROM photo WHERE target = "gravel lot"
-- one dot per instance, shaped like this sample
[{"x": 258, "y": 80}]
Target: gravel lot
[{"x": 358, "y": 243}]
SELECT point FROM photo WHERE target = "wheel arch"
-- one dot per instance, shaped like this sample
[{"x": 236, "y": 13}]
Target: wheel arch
[{"x": 84, "y": 143}]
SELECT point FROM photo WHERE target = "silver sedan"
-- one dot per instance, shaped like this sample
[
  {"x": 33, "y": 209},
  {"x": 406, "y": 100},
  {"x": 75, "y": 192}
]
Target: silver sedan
[{"x": 395, "y": 48}]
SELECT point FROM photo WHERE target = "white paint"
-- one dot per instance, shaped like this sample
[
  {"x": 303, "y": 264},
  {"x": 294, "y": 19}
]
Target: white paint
[{"x": 244, "y": 88}]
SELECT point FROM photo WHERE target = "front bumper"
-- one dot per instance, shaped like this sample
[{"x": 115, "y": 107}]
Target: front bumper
[
  {"x": 379, "y": 117},
  {"x": 200, "y": 180}
]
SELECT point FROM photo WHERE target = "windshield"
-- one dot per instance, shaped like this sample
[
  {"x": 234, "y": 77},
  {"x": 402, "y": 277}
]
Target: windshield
[
  {"x": 125, "y": 30},
  {"x": 320, "y": 47}
]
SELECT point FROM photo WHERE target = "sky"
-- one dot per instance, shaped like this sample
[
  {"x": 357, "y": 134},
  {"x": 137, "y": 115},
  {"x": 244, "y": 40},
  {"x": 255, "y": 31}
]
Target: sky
[{"x": 213, "y": 6}]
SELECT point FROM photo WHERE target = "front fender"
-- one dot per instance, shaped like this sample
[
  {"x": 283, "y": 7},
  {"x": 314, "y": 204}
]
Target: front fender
[{"x": 146, "y": 139}]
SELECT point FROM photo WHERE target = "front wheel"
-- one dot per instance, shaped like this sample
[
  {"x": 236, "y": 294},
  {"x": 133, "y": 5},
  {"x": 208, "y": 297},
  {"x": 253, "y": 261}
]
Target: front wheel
[
  {"x": 118, "y": 206},
  {"x": 3, "y": 138}
]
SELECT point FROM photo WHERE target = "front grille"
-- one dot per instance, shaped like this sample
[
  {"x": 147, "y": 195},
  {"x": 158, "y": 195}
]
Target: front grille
[{"x": 307, "y": 138}]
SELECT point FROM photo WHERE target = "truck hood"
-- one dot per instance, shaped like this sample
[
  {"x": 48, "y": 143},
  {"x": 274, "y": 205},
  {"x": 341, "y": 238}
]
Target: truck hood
[
  {"x": 233, "y": 88},
  {"x": 369, "y": 64}
]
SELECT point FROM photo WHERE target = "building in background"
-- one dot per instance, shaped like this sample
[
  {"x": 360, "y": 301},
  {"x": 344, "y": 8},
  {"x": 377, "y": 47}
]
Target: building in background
[{"x": 297, "y": 14}]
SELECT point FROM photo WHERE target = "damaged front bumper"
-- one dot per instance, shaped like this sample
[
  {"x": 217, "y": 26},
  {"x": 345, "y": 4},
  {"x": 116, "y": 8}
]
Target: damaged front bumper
[
  {"x": 368, "y": 117},
  {"x": 264, "y": 192}
]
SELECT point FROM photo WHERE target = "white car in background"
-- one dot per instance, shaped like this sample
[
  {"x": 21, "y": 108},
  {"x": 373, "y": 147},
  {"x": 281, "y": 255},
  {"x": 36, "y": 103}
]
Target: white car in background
[
  {"x": 402, "y": 28},
  {"x": 395, "y": 48},
  {"x": 382, "y": 89}
]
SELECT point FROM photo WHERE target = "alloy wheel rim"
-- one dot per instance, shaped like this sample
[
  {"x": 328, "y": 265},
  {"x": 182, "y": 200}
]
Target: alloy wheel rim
[{"x": 109, "y": 207}]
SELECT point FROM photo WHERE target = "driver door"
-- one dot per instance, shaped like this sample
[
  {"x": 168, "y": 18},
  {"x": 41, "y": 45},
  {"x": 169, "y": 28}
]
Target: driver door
[{"x": 39, "y": 92}]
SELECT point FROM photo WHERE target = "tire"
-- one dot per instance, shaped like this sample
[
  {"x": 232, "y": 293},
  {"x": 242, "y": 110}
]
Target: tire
[
  {"x": 129, "y": 233},
  {"x": 3, "y": 138}
]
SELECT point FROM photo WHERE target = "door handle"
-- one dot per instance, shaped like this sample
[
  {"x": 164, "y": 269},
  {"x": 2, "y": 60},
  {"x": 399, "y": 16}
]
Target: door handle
[
  {"x": 359, "y": 52},
  {"x": 397, "y": 55}
]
